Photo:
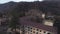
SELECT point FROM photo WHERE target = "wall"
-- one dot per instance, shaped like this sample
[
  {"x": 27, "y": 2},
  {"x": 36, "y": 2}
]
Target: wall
[{"x": 33, "y": 30}]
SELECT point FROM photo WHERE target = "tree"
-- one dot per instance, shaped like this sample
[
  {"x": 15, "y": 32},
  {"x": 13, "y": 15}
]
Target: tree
[
  {"x": 57, "y": 24},
  {"x": 14, "y": 22},
  {"x": 16, "y": 13}
]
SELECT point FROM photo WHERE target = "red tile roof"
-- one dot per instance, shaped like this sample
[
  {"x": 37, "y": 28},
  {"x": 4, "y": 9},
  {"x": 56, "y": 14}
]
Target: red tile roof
[{"x": 37, "y": 25}]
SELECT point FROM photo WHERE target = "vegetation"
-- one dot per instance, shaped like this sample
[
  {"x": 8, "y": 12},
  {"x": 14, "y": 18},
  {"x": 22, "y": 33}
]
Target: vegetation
[
  {"x": 16, "y": 14},
  {"x": 20, "y": 8},
  {"x": 14, "y": 21}
]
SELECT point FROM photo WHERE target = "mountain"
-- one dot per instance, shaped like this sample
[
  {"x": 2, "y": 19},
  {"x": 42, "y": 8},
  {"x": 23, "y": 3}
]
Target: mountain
[
  {"x": 7, "y": 6},
  {"x": 44, "y": 6},
  {"x": 53, "y": 7}
]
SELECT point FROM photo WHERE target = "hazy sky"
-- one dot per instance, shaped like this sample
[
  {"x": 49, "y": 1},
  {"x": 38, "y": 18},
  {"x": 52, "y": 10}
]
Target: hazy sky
[{"x": 4, "y": 1}]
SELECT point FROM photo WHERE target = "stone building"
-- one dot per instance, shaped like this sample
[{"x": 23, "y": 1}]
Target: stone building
[{"x": 30, "y": 27}]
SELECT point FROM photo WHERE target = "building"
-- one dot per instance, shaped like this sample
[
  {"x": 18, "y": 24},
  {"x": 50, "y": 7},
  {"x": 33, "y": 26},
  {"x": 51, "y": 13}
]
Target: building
[
  {"x": 33, "y": 27},
  {"x": 4, "y": 20},
  {"x": 30, "y": 27}
]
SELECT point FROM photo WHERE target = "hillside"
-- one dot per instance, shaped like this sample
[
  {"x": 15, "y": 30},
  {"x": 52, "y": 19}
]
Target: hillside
[{"x": 45, "y": 6}]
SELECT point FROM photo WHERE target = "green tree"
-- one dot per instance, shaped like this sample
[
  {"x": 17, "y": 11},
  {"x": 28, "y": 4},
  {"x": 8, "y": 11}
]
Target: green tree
[
  {"x": 16, "y": 13},
  {"x": 13, "y": 23}
]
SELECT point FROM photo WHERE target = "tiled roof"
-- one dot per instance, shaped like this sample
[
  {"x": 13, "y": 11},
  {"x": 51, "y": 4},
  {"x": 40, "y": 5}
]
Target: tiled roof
[{"x": 23, "y": 21}]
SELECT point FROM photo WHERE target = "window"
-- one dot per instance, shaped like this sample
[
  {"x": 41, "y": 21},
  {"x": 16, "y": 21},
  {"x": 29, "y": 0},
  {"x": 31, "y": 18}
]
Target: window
[
  {"x": 28, "y": 28},
  {"x": 48, "y": 33},
  {"x": 33, "y": 31},
  {"x": 37, "y": 29},
  {"x": 44, "y": 31},
  {"x": 40, "y": 30},
  {"x": 31, "y": 28},
  {"x": 30, "y": 33},
  {"x": 36, "y": 32}
]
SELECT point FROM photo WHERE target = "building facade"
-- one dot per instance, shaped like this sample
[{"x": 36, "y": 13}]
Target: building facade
[
  {"x": 33, "y": 27},
  {"x": 29, "y": 27}
]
